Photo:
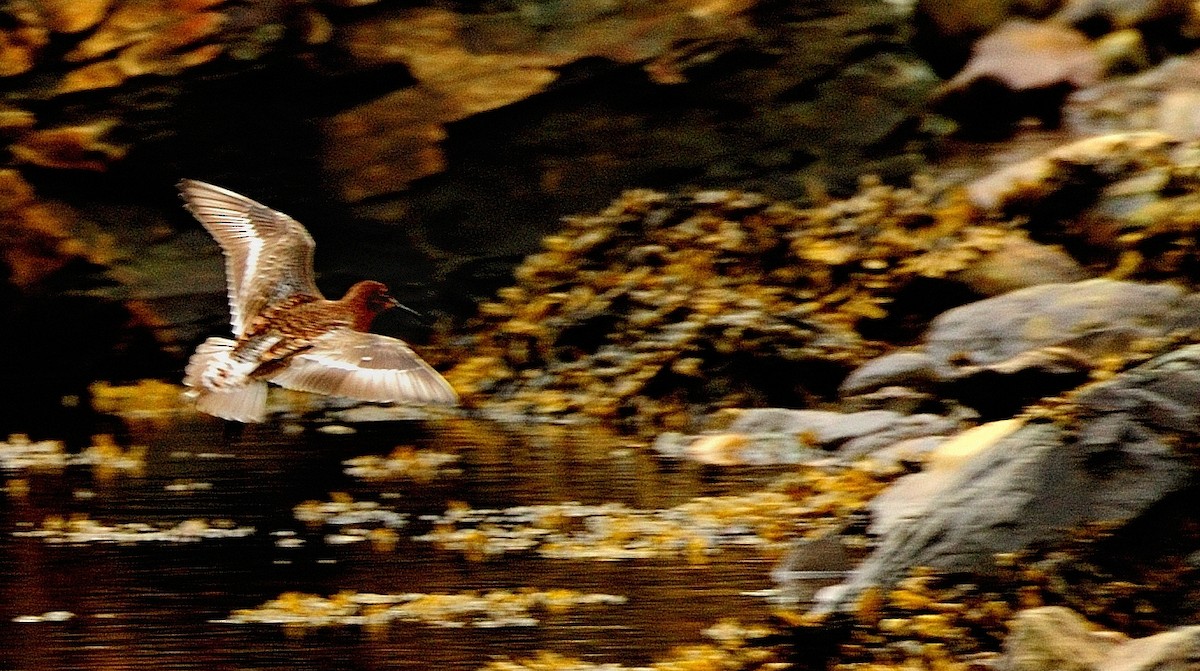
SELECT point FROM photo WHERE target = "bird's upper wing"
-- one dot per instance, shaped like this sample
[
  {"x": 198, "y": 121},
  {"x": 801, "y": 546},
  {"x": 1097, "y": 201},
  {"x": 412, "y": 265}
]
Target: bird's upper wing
[
  {"x": 268, "y": 255},
  {"x": 367, "y": 367}
]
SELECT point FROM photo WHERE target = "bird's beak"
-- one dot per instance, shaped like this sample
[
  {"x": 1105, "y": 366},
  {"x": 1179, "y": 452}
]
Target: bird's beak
[{"x": 393, "y": 303}]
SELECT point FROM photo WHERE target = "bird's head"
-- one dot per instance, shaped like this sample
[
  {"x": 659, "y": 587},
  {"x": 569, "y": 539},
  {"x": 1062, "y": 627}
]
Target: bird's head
[{"x": 367, "y": 299}]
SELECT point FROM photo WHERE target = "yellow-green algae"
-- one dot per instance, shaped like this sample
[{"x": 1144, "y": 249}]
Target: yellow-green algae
[
  {"x": 80, "y": 529},
  {"x": 937, "y": 622},
  {"x": 810, "y": 501},
  {"x": 404, "y": 462},
  {"x": 104, "y": 455},
  {"x": 495, "y": 608},
  {"x": 663, "y": 307}
]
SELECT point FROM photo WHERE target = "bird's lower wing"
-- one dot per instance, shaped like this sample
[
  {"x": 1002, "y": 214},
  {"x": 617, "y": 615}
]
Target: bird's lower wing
[{"x": 367, "y": 367}]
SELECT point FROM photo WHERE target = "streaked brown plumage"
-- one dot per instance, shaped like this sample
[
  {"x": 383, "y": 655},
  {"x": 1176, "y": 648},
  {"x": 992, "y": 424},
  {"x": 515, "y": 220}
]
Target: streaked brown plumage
[{"x": 285, "y": 331}]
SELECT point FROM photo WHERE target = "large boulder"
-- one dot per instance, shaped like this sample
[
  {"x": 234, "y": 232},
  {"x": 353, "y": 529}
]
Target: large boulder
[
  {"x": 1001, "y": 353},
  {"x": 1053, "y": 638},
  {"x": 1029, "y": 487}
]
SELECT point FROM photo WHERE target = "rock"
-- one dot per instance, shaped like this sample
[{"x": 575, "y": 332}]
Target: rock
[
  {"x": 903, "y": 368},
  {"x": 471, "y": 62},
  {"x": 1022, "y": 186},
  {"x": 1019, "y": 70},
  {"x": 672, "y": 444},
  {"x": 1154, "y": 100},
  {"x": 819, "y": 427},
  {"x": 1017, "y": 264},
  {"x": 1030, "y": 486},
  {"x": 73, "y": 16},
  {"x": 1093, "y": 318},
  {"x": 907, "y": 453},
  {"x": 999, "y": 354},
  {"x": 426, "y": 130},
  {"x": 734, "y": 449},
  {"x": 904, "y": 400},
  {"x": 1123, "y": 51},
  {"x": 812, "y": 563},
  {"x": 946, "y": 29},
  {"x": 1174, "y": 650},
  {"x": 1157, "y": 394},
  {"x": 1177, "y": 115},
  {"x": 1025, "y": 55},
  {"x": 39, "y": 240},
  {"x": 910, "y": 496},
  {"x": 454, "y": 82},
  {"x": 1121, "y": 14},
  {"x": 904, "y": 430},
  {"x": 727, "y": 449},
  {"x": 763, "y": 436},
  {"x": 1054, "y": 638},
  {"x": 81, "y": 147}
]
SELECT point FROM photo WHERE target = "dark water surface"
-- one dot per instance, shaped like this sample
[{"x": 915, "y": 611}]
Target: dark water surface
[{"x": 153, "y": 605}]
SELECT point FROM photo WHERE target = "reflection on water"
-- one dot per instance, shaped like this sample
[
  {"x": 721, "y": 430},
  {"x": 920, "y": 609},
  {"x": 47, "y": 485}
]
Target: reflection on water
[{"x": 156, "y": 604}]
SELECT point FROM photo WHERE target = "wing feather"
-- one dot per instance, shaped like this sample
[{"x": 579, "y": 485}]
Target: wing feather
[
  {"x": 367, "y": 367},
  {"x": 268, "y": 255}
]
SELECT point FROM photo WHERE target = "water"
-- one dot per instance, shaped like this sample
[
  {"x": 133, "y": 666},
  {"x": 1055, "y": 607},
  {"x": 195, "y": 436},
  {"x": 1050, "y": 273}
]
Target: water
[{"x": 155, "y": 605}]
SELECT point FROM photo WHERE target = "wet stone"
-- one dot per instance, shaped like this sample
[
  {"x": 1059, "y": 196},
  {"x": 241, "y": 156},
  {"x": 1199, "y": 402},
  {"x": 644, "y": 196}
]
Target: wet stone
[
  {"x": 1020, "y": 69},
  {"x": 912, "y": 427},
  {"x": 819, "y": 427},
  {"x": 995, "y": 330},
  {"x": 1029, "y": 486},
  {"x": 764, "y": 436},
  {"x": 902, "y": 369},
  {"x": 1020, "y": 263},
  {"x": 1054, "y": 638},
  {"x": 1058, "y": 638}
]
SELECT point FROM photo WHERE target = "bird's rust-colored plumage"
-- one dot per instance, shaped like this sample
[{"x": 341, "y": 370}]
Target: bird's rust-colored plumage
[{"x": 284, "y": 330}]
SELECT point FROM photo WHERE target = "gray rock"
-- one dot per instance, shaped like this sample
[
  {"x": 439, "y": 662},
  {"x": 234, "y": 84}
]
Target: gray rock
[
  {"x": 763, "y": 436},
  {"x": 910, "y": 451},
  {"x": 735, "y": 449},
  {"x": 924, "y": 425},
  {"x": 821, "y": 427},
  {"x": 672, "y": 444},
  {"x": 1159, "y": 394},
  {"x": 1020, "y": 263},
  {"x": 906, "y": 369},
  {"x": 1003, "y": 352},
  {"x": 810, "y": 564},
  {"x": 1025, "y": 489},
  {"x": 1093, "y": 317},
  {"x": 903, "y": 400}
]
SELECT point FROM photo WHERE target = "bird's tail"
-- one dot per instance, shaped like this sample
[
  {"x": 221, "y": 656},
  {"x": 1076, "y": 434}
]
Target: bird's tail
[{"x": 222, "y": 386}]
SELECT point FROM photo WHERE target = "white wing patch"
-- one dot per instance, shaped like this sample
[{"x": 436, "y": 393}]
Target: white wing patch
[
  {"x": 243, "y": 283},
  {"x": 366, "y": 367}
]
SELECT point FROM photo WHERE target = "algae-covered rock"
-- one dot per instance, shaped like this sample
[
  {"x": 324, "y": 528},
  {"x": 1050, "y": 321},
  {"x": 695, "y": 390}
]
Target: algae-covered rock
[
  {"x": 1002, "y": 353},
  {"x": 782, "y": 436},
  {"x": 1030, "y": 486},
  {"x": 1054, "y": 638},
  {"x": 1058, "y": 638}
]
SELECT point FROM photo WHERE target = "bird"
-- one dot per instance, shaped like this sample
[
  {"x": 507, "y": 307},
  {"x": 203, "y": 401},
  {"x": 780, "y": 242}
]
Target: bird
[{"x": 284, "y": 330}]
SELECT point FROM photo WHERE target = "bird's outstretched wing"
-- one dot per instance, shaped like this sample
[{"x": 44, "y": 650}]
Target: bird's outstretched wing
[
  {"x": 367, "y": 367},
  {"x": 268, "y": 255}
]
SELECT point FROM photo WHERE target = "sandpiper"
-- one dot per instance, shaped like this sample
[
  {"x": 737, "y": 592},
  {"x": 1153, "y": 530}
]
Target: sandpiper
[{"x": 284, "y": 330}]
